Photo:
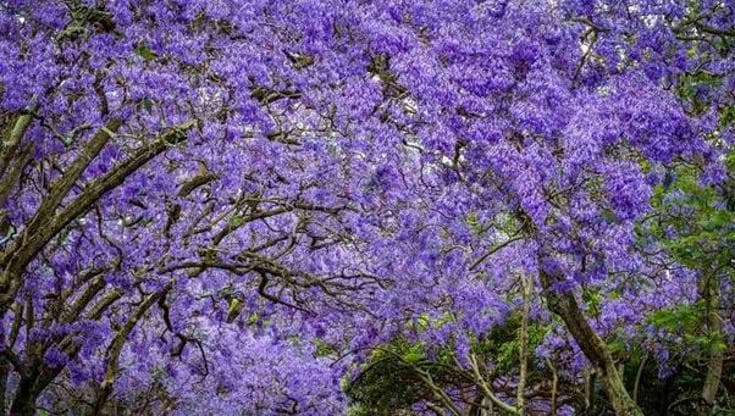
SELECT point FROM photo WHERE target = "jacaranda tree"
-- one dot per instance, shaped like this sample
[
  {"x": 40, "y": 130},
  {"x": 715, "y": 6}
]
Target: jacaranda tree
[{"x": 319, "y": 207}]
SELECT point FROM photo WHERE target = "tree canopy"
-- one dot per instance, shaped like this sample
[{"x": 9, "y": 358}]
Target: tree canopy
[{"x": 321, "y": 207}]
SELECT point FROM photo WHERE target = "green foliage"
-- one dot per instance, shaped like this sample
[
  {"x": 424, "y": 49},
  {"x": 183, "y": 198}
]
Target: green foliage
[
  {"x": 237, "y": 221},
  {"x": 592, "y": 298},
  {"x": 676, "y": 394},
  {"x": 501, "y": 222},
  {"x": 692, "y": 82},
  {"x": 609, "y": 215},
  {"x": 388, "y": 382},
  {"x": 413, "y": 354},
  {"x": 424, "y": 322},
  {"x": 679, "y": 318},
  {"x": 142, "y": 50},
  {"x": 695, "y": 222},
  {"x": 686, "y": 321},
  {"x": 502, "y": 344},
  {"x": 727, "y": 116},
  {"x": 616, "y": 345},
  {"x": 474, "y": 223},
  {"x": 324, "y": 349}
]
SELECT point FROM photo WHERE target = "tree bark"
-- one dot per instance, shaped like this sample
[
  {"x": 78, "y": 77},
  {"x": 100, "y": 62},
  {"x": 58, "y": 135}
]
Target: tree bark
[
  {"x": 554, "y": 386},
  {"x": 711, "y": 297},
  {"x": 523, "y": 341},
  {"x": 11, "y": 143},
  {"x": 16, "y": 258},
  {"x": 33, "y": 381},
  {"x": 29, "y": 387},
  {"x": 112, "y": 354},
  {"x": 4, "y": 371},
  {"x": 638, "y": 374},
  {"x": 565, "y": 305},
  {"x": 24, "y": 400}
]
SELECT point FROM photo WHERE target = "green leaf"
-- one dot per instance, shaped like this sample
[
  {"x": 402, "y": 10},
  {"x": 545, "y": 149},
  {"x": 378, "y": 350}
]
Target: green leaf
[
  {"x": 144, "y": 51},
  {"x": 413, "y": 357}
]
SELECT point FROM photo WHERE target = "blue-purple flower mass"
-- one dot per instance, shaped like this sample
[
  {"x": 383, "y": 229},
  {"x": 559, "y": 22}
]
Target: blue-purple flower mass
[{"x": 367, "y": 207}]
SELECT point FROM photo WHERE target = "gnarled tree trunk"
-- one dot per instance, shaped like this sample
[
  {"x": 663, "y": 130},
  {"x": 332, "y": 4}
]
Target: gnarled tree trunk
[
  {"x": 565, "y": 305},
  {"x": 32, "y": 383},
  {"x": 24, "y": 400}
]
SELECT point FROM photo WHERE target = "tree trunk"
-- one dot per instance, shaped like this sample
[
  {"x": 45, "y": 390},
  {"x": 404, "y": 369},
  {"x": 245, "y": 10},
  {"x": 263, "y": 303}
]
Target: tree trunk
[
  {"x": 26, "y": 393},
  {"x": 4, "y": 371},
  {"x": 526, "y": 284},
  {"x": 30, "y": 386},
  {"x": 711, "y": 297},
  {"x": 554, "y": 386},
  {"x": 565, "y": 305},
  {"x": 638, "y": 375},
  {"x": 589, "y": 388}
]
